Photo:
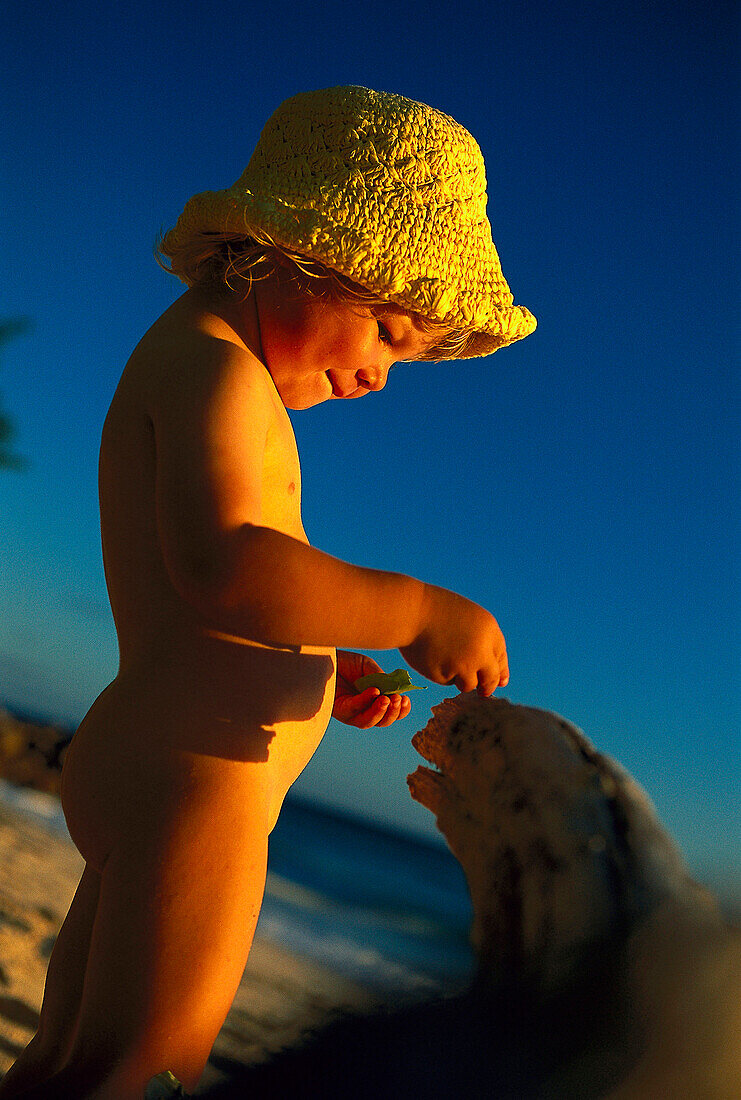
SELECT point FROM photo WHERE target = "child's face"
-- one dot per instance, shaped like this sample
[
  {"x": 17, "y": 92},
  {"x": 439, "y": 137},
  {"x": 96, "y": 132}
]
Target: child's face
[{"x": 317, "y": 350}]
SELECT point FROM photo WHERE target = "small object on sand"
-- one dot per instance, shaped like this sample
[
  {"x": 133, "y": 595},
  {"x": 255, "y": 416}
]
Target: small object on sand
[
  {"x": 164, "y": 1086},
  {"x": 389, "y": 682}
]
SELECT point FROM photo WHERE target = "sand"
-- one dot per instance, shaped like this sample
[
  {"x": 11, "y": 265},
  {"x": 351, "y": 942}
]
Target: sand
[{"x": 281, "y": 994}]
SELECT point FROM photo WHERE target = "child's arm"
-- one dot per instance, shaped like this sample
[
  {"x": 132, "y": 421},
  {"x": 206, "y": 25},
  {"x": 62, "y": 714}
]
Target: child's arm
[
  {"x": 293, "y": 593},
  {"x": 210, "y": 425}
]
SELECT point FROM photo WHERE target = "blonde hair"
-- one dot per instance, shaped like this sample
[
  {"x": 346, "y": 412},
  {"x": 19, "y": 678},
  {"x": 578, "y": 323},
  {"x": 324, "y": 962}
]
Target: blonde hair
[{"x": 223, "y": 259}]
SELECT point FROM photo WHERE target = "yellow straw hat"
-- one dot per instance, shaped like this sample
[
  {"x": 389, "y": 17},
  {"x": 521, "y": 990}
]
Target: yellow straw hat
[{"x": 386, "y": 191}]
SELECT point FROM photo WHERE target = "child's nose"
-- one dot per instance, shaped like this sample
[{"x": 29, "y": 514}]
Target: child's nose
[{"x": 373, "y": 377}]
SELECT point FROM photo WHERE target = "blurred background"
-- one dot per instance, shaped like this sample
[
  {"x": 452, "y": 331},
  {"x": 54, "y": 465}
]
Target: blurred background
[{"x": 582, "y": 484}]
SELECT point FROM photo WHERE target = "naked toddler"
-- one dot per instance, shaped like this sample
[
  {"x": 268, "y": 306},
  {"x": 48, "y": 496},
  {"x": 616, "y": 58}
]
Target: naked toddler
[{"x": 356, "y": 238}]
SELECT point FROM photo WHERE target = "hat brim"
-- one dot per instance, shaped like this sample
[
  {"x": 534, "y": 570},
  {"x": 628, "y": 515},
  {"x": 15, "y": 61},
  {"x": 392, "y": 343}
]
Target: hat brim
[{"x": 313, "y": 232}]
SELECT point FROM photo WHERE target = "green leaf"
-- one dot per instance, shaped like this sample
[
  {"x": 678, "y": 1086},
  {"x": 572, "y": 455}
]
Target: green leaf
[{"x": 388, "y": 682}]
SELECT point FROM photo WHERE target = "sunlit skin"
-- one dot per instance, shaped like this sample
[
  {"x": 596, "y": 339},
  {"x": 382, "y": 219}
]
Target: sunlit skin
[
  {"x": 229, "y": 626},
  {"x": 317, "y": 350}
]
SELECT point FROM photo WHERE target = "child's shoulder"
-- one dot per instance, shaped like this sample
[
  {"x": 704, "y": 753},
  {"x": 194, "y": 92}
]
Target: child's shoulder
[{"x": 194, "y": 356}]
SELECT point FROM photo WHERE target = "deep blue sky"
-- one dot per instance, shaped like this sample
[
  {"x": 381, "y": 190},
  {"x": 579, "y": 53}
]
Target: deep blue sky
[{"x": 582, "y": 484}]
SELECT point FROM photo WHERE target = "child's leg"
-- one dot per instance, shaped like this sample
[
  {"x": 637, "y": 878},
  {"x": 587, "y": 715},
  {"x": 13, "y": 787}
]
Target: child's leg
[
  {"x": 175, "y": 920},
  {"x": 49, "y": 1048}
]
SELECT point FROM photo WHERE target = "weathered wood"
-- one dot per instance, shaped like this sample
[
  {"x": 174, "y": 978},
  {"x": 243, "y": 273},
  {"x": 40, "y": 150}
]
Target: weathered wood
[{"x": 581, "y": 897}]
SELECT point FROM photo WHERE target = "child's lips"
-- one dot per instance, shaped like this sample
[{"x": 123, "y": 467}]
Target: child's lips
[{"x": 341, "y": 391}]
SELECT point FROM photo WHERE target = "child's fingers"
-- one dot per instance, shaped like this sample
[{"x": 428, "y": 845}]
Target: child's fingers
[
  {"x": 372, "y": 714},
  {"x": 369, "y": 708},
  {"x": 356, "y": 704},
  {"x": 383, "y": 711},
  {"x": 488, "y": 685},
  {"x": 350, "y": 708},
  {"x": 399, "y": 707}
]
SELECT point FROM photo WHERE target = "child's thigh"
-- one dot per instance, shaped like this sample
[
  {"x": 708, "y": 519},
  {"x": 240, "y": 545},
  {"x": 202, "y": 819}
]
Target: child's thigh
[
  {"x": 66, "y": 972},
  {"x": 178, "y": 905}
]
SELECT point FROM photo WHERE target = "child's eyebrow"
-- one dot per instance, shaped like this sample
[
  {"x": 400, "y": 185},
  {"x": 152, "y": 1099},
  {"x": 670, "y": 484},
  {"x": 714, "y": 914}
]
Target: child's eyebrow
[{"x": 390, "y": 312}]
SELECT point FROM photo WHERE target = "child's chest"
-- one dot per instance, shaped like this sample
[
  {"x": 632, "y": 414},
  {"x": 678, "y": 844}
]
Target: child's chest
[{"x": 281, "y": 484}]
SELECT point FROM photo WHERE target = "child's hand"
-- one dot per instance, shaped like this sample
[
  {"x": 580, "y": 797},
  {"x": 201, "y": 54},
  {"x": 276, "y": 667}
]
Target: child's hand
[
  {"x": 459, "y": 643},
  {"x": 366, "y": 708}
]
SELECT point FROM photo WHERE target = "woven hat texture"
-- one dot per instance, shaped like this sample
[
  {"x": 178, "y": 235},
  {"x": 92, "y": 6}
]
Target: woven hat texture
[{"x": 389, "y": 192}]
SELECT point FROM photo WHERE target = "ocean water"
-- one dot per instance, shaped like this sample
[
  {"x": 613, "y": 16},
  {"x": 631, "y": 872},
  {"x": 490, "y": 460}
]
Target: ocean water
[{"x": 382, "y": 908}]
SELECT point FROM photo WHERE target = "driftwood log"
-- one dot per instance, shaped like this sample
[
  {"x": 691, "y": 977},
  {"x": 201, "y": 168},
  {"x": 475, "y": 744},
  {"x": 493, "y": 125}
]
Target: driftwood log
[{"x": 605, "y": 970}]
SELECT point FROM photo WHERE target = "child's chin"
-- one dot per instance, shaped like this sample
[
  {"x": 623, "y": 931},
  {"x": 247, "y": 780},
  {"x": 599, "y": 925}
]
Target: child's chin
[
  {"x": 298, "y": 404},
  {"x": 307, "y": 398}
]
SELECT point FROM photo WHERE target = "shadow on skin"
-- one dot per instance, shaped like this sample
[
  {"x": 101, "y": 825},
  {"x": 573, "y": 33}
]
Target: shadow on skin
[
  {"x": 16, "y": 1012},
  {"x": 240, "y": 698},
  {"x": 171, "y": 728},
  {"x": 227, "y": 701}
]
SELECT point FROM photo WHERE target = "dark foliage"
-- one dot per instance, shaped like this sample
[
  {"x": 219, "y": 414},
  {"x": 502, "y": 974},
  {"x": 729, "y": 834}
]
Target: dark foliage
[{"x": 9, "y": 329}]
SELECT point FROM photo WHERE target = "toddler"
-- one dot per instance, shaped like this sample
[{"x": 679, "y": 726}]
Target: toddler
[{"x": 356, "y": 238}]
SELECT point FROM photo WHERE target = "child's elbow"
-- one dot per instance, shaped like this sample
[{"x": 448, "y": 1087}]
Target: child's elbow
[
  {"x": 214, "y": 584},
  {"x": 197, "y": 579}
]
